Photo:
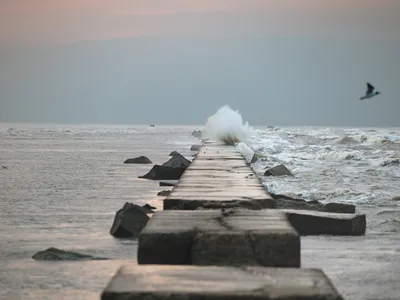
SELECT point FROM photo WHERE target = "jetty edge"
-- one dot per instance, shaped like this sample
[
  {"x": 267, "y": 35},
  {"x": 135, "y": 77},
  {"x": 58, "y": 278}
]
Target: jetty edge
[{"x": 221, "y": 237}]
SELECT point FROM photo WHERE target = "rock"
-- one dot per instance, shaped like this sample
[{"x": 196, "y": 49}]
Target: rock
[
  {"x": 4, "y": 167},
  {"x": 308, "y": 222},
  {"x": 58, "y": 254},
  {"x": 129, "y": 221},
  {"x": 177, "y": 161},
  {"x": 340, "y": 208},
  {"x": 164, "y": 173},
  {"x": 288, "y": 196},
  {"x": 164, "y": 193},
  {"x": 197, "y": 133},
  {"x": 279, "y": 170},
  {"x": 168, "y": 183},
  {"x": 195, "y": 147},
  {"x": 301, "y": 204},
  {"x": 293, "y": 201},
  {"x": 173, "y": 153},
  {"x": 138, "y": 160},
  {"x": 149, "y": 206},
  {"x": 148, "y": 209}
]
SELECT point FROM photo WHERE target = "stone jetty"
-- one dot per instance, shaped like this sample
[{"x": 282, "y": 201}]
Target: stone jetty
[{"x": 223, "y": 236}]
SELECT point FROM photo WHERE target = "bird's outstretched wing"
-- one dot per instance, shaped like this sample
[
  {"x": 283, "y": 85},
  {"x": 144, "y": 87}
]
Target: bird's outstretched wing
[{"x": 370, "y": 88}]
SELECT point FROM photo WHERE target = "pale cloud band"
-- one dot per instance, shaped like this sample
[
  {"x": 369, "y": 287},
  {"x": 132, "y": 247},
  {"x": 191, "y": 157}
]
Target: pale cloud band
[{"x": 49, "y": 21}]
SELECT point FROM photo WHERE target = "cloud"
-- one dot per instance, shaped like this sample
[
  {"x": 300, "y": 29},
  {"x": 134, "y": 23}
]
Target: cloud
[{"x": 49, "y": 21}]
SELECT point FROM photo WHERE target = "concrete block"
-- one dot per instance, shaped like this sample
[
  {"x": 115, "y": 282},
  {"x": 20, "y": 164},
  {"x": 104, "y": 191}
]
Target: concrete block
[
  {"x": 159, "y": 282},
  {"x": 213, "y": 237},
  {"x": 308, "y": 222}
]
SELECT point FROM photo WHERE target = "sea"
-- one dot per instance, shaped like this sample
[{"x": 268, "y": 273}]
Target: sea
[{"x": 60, "y": 186}]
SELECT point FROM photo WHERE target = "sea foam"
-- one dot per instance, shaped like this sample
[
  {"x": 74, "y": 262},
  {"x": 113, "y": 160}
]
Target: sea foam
[{"x": 227, "y": 126}]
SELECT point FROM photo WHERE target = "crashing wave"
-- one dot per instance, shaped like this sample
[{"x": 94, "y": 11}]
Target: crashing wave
[{"x": 227, "y": 125}]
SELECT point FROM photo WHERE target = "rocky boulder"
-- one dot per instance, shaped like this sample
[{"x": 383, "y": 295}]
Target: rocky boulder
[
  {"x": 129, "y": 221},
  {"x": 279, "y": 170},
  {"x": 149, "y": 208},
  {"x": 138, "y": 160},
  {"x": 197, "y": 133},
  {"x": 164, "y": 173},
  {"x": 58, "y": 254},
  {"x": 293, "y": 201},
  {"x": 164, "y": 193},
  {"x": 168, "y": 183},
  {"x": 177, "y": 161},
  {"x": 173, "y": 153}
]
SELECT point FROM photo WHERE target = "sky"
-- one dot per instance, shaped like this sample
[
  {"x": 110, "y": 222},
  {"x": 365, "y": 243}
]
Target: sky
[{"x": 283, "y": 62}]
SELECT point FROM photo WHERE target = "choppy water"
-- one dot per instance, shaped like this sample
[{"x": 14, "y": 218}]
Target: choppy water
[{"x": 61, "y": 185}]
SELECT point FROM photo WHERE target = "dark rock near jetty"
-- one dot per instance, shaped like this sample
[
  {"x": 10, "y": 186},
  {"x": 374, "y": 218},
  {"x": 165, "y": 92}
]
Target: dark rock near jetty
[
  {"x": 168, "y": 183},
  {"x": 279, "y": 170},
  {"x": 292, "y": 201},
  {"x": 195, "y": 148},
  {"x": 129, "y": 221},
  {"x": 164, "y": 193},
  {"x": 340, "y": 208},
  {"x": 148, "y": 208},
  {"x": 177, "y": 161},
  {"x": 138, "y": 160},
  {"x": 288, "y": 196},
  {"x": 308, "y": 222},
  {"x": 173, "y": 153},
  {"x": 164, "y": 173},
  {"x": 197, "y": 133},
  {"x": 58, "y": 254}
]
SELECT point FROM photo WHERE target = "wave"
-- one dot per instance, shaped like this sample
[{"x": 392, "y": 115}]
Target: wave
[{"x": 227, "y": 126}]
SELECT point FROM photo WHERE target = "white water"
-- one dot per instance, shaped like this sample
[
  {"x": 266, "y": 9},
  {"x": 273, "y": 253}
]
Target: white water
[
  {"x": 340, "y": 164},
  {"x": 226, "y": 123},
  {"x": 245, "y": 151}
]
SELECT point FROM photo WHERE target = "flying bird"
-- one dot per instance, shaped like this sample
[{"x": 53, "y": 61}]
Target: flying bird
[{"x": 370, "y": 92}]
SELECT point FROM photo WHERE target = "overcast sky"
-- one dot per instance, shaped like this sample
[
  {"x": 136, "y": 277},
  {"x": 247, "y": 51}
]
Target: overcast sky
[{"x": 280, "y": 62}]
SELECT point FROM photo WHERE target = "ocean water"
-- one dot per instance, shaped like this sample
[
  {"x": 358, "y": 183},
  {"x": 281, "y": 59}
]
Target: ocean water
[{"x": 60, "y": 186}]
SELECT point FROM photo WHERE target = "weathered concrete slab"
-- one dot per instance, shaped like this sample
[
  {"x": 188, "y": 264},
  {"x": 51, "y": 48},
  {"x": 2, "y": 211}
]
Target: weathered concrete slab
[
  {"x": 309, "y": 222},
  {"x": 251, "y": 190},
  {"x": 205, "y": 175},
  {"x": 214, "y": 173},
  {"x": 133, "y": 282},
  {"x": 219, "y": 161},
  {"x": 228, "y": 185},
  {"x": 211, "y": 203},
  {"x": 213, "y": 237},
  {"x": 218, "y": 177},
  {"x": 218, "y": 167}
]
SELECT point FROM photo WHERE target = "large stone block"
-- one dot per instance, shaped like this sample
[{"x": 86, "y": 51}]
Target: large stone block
[
  {"x": 309, "y": 222},
  {"x": 213, "y": 237},
  {"x": 159, "y": 282}
]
